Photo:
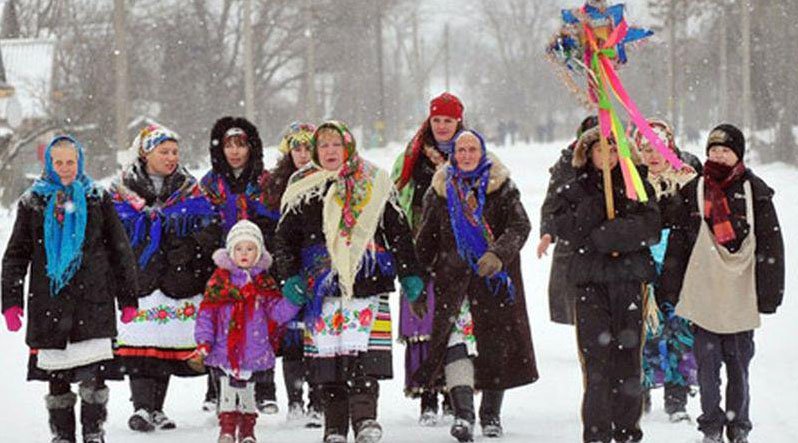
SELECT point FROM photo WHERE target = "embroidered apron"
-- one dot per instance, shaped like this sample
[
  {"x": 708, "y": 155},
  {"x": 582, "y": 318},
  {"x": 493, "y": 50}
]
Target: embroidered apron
[{"x": 719, "y": 289}]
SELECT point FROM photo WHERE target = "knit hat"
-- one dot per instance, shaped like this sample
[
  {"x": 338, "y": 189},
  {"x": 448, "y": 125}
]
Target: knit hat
[
  {"x": 245, "y": 230},
  {"x": 296, "y": 135},
  {"x": 447, "y": 105},
  {"x": 729, "y": 136},
  {"x": 150, "y": 137}
]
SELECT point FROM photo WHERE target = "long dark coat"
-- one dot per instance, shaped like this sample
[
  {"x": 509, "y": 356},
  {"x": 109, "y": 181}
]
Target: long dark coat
[
  {"x": 84, "y": 309},
  {"x": 562, "y": 292},
  {"x": 504, "y": 341},
  {"x": 769, "y": 241}
]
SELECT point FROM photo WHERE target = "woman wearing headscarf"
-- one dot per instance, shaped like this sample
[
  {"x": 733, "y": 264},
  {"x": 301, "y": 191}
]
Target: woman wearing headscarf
[
  {"x": 68, "y": 239},
  {"x": 160, "y": 206},
  {"x": 295, "y": 148},
  {"x": 341, "y": 242},
  {"x": 427, "y": 151},
  {"x": 470, "y": 237}
]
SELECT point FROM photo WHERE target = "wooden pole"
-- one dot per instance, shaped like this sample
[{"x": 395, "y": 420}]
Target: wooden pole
[{"x": 607, "y": 173}]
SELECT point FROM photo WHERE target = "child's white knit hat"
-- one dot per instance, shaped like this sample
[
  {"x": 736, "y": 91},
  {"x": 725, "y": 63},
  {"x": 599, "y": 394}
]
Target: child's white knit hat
[{"x": 245, "y": 230}]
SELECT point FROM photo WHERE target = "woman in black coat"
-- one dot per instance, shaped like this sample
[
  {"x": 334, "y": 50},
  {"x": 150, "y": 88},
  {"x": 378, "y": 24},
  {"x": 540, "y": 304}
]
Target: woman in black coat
[
  {"x": 295, "y": 150},
  {"x": 160, "y": 205},
  {"x": 562, "y": 292},
  {"x": 611, "y": 265},
  {"x": 342, "y": 241},
  {"x": 80, "y": 262},
  {"x": 470, "y": 237},
  {"x": 236, "y": 188}
]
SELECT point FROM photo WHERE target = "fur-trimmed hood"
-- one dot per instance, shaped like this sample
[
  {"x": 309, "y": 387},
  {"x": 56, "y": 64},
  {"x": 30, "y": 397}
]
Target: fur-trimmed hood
[
  {"x": 499, "y": 174},
  {"x": 254, "y": 167},
  {"x": 223, "y": 260},
  {"x": 585, "y": 143}
]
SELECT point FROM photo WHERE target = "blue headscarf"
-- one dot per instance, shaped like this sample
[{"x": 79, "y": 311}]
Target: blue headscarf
[
  {"x": 472, "y": 233},
  {"x": 63, "y": 240}
]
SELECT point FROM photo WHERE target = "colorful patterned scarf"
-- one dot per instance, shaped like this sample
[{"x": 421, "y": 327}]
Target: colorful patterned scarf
[
  {"x": 185, "y": 211},
  {"x": 718, "y": 178},
  {"x": 65, "y": 216},
  {"x": 354, "y": 199},
  {"x": 233, "y": 207},
  {"x": 296, "y": 135},
  {"x": 221, "y": 291},
  {"x": 465, "y": 200}
]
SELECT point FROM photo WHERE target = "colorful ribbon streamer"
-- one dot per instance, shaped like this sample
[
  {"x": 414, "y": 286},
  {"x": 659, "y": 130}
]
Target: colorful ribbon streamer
[{"x": 605, "y": 79}]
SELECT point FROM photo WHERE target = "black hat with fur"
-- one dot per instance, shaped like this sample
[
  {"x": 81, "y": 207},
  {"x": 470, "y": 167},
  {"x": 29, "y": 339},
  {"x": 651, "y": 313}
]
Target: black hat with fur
[{"x": 254, "y": 166}]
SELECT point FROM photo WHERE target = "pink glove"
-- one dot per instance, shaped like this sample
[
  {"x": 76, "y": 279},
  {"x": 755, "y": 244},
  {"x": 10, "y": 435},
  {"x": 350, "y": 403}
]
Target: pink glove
[
  {"x": 13, "y": 317},
  {"x": 128, "y": 314}
]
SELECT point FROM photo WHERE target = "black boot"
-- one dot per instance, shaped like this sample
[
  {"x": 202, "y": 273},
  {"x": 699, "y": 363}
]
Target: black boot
[
  {"x": 266, "y": 397},
  {"x": 490, "y": 413},
  {"x": 142, "y": 393},
  {"x": 93, "y": 411},
  {"x": 315, "y": 412},
  {"x": 336, "y": 411},
  {"x": 61, "y": 409},
  {"x": 462, "y": 398},
  {"x": 363, "y": 395},
  {"x": 429, "y": 408},
  {"x": 294, "y": 377}
]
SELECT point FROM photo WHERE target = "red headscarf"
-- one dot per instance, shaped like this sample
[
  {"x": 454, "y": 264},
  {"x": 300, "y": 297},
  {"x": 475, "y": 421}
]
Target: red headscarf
[{"x": 445, "y": 104}]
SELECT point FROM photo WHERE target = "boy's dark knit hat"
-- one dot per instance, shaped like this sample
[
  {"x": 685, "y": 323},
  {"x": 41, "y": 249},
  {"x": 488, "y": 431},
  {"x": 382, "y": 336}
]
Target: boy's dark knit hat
[{"x": 729, "y": 136}]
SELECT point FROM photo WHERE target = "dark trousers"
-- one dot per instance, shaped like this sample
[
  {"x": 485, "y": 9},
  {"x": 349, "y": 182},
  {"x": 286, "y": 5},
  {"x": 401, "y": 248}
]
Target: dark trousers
[
  {"x": 148, "y": 393},
  {"x": 609, "y": 327},
  {"x": 675, "y": 398},
  {"x": 353, "y": 401},
  {"x": 735, "y": 351},
  {"x": 266, "y": 390}
]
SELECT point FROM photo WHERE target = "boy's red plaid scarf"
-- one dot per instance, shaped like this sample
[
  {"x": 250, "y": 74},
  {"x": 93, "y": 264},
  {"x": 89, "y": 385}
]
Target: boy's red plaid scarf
[{"x": 718, "y": 178}]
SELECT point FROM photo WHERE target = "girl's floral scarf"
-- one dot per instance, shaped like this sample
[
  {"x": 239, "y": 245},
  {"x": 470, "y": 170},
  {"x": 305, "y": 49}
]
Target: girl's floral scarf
[
  {"x": 233, "y": 207},
  {"x": 184, "y": 211},
  {"x": 718, "y": 178},
  {"x": 354, "y": 198},
  {"x": 245, "y": 290},
  {"x": 465, "y": 200},
  {"x": 65, "y": 217}
]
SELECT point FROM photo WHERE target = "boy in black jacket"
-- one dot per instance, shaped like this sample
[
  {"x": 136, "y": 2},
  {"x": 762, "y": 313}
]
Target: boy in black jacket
[
  {"x": 724, "y": 266},
  {"x": 611, "y": 267}
]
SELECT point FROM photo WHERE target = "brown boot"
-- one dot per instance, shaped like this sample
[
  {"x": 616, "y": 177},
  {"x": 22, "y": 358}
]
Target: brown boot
[
  {"x": 228, "y": 422},
  {"x": 246, "y": 428}
]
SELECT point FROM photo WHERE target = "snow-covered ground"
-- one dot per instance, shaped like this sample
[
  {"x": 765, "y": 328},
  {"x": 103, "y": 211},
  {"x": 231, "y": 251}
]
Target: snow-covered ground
[{"x": 547, "y": 411}]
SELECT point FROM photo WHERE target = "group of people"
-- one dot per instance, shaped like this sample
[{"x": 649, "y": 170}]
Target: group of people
[
  {"x": 662, "y": 292},
  {"x": 222, "y": 275}
]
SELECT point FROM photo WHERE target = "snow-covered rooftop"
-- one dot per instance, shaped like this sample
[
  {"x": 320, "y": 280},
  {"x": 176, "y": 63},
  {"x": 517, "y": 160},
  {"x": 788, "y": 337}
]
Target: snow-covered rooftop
[{"x": 29, "y": 69}]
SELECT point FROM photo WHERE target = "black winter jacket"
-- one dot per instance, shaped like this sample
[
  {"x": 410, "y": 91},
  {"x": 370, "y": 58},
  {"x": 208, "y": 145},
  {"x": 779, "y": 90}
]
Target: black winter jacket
[
  {"x": 302, "y": 228},
  {"x": 607, "y": 251},
  {"x": 84, "y": 309},
  {"x": 769, "y": 241},
  {"x": 169, "y": 268}
]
